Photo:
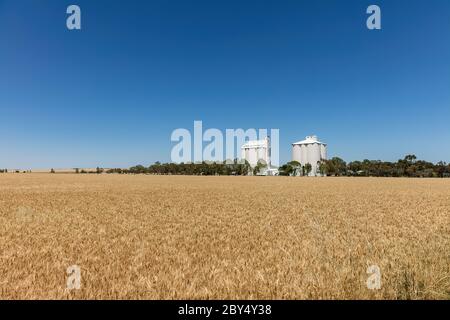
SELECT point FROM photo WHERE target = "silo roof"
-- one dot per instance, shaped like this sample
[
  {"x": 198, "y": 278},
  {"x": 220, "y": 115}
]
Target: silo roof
[
  {"x": 255, "y": 144},
  {"x": 309, "y": 140}
]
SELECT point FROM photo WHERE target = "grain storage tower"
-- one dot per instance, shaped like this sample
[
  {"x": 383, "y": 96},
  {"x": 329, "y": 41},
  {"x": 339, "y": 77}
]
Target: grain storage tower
[
  {"x": 311, "y": 151},
  {"x": 256, "y": 150}
]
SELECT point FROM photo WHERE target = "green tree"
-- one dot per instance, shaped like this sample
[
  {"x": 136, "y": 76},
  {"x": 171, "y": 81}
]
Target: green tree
[
  {"x": 296, "y": 167},
  {"x": 321, "y": 167},
  {"x": 338, "y": 166},
  {"x": 259, "y": 166},
  {"x": 355, "y": 167},
  {"x": 286, "y": 170},
  {"x": 410, "y": 159},
  {"x": 440, "y": 169},
  {"x": 308, "y": 169}
]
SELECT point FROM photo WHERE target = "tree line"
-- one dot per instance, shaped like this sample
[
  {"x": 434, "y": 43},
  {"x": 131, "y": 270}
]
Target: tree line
[
  {"x": 205, "y": 168},
  {"x": 409, "y": 166},
  {"x": 406, "y": 167}
]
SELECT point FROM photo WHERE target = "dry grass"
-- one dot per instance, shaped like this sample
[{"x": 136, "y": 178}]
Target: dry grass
[{"x": 223, "y": 237}]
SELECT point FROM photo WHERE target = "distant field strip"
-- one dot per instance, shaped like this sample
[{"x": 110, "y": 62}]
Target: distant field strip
[{"x": 179, "y": 237}]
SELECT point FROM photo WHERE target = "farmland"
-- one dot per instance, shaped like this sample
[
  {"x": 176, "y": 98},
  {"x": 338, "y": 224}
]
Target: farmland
[{"x": 181, "y": 237}]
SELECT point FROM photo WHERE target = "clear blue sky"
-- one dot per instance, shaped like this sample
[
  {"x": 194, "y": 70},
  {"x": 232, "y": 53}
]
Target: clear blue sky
[{"x": 111, "y": 94}]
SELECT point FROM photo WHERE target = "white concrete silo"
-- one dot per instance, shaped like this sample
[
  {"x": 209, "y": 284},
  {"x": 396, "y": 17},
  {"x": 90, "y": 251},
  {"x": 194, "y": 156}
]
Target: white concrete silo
[
  {"x": 257, "y": 150},
  {"x": 311, "y": 151}
]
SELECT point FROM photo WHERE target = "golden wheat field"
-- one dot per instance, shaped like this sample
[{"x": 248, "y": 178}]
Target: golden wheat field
[{"x": 174, "y": 237}]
